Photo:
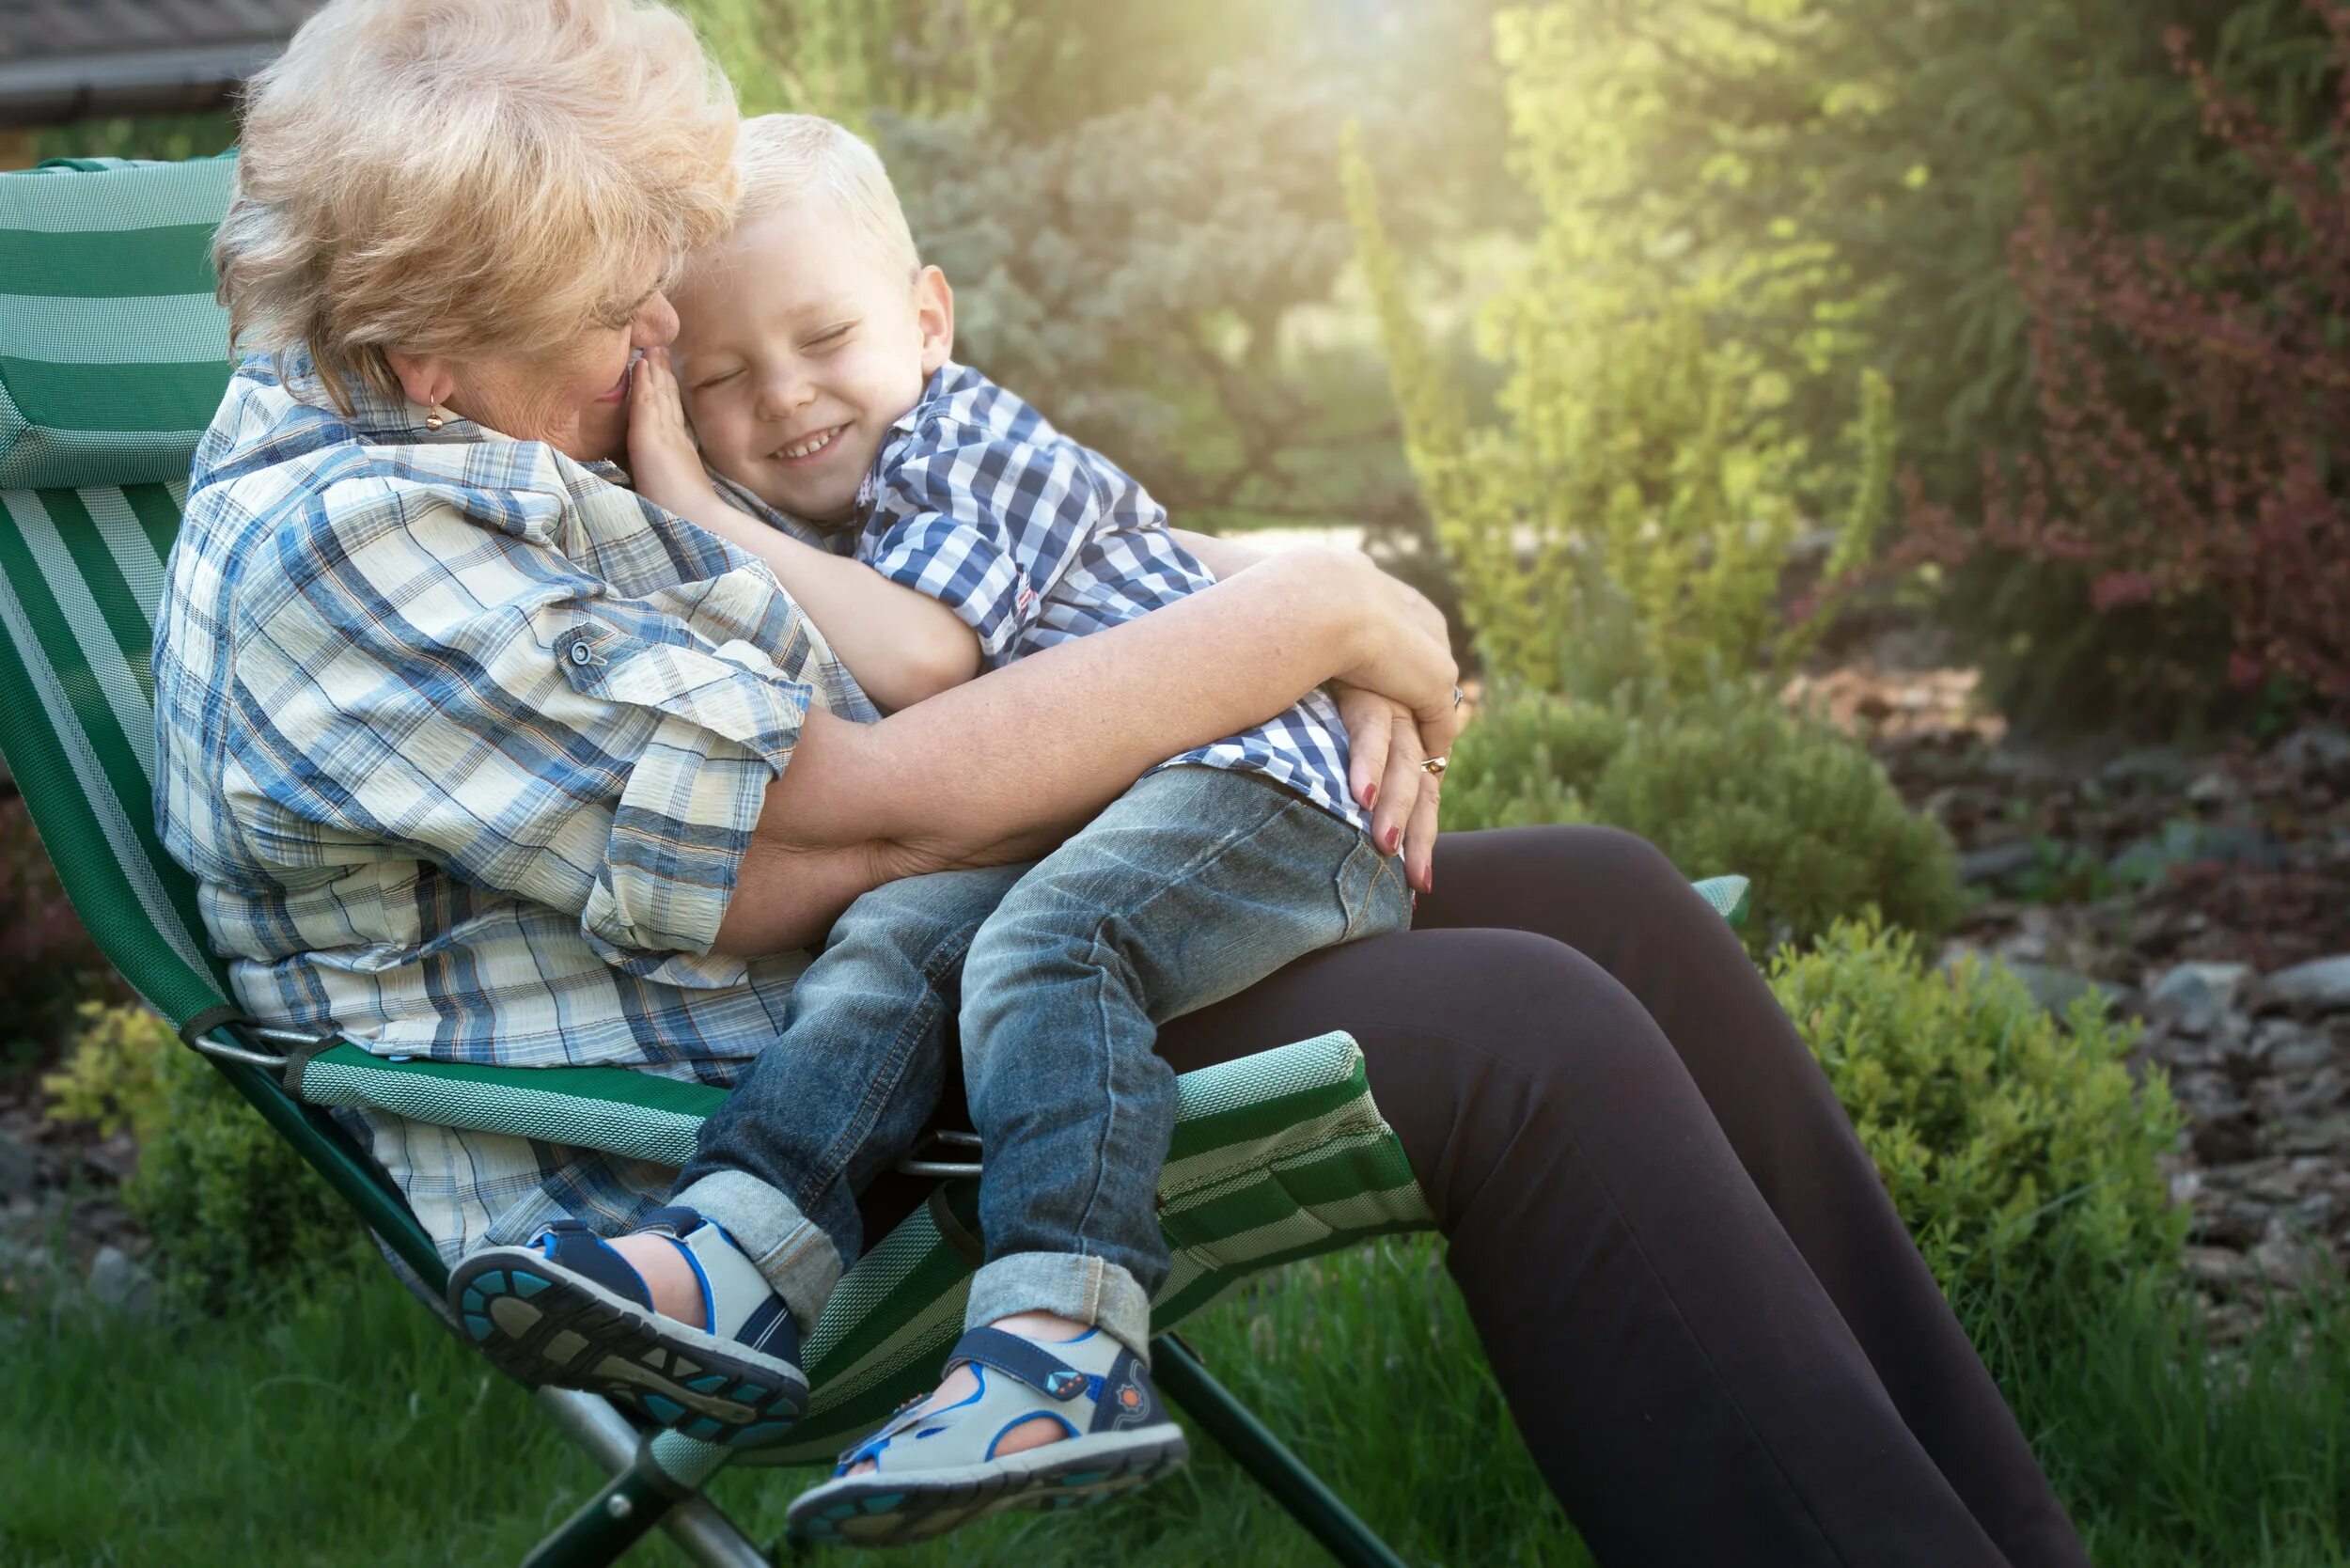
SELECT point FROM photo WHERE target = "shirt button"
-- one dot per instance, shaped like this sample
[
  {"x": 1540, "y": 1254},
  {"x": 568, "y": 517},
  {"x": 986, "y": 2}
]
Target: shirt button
[{"x": 582, "y": 653}]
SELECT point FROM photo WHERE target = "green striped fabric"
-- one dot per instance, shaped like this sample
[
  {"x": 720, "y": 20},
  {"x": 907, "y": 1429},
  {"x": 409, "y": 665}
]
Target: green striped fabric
[{"x": 113, "y": 353}]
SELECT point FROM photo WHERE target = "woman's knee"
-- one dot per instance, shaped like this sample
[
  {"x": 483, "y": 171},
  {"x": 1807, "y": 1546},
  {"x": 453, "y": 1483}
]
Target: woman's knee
[{"x": 1530, "y": 1008}]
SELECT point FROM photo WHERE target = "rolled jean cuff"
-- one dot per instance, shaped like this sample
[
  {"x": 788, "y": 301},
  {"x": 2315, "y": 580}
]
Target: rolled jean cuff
[
  {"x": 1069, "y": 1285},
  {"x": 798, "y": 1261}
]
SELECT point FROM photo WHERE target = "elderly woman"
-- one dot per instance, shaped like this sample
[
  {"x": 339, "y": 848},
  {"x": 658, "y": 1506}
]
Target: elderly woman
[{"x": 477, "y": 756}]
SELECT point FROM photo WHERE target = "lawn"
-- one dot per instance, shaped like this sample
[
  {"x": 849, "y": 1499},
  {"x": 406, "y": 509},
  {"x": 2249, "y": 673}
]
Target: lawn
[{"x": 347, "y": 1428}]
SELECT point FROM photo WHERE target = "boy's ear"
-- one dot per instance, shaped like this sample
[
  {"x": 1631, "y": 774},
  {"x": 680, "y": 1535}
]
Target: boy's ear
[{"x": 934, "y": 314}]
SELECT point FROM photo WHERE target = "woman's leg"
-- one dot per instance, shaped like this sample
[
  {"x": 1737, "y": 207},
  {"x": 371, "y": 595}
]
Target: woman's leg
[
  {"x": 1691, "y": 1391},
  {"x": 1614, "y": 898}
]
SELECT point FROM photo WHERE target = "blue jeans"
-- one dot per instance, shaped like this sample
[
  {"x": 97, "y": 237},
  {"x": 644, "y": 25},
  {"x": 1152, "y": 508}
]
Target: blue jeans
[{"x": 1192, "y": 886}]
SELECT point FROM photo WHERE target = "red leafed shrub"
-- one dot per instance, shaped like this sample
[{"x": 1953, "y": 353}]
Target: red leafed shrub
[
  {"x": 47, "y": 961},
  {"x": 2195, "y": 411}
]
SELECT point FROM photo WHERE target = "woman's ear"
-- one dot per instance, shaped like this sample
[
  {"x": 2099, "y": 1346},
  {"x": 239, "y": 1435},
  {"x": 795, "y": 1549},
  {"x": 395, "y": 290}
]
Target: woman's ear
[
  {"x": 427, "y": 379},
  {"x": 934, "y": 314}
]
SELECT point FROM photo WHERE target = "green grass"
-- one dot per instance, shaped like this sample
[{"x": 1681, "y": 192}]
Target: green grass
[{"x": 348, "y": 1428}]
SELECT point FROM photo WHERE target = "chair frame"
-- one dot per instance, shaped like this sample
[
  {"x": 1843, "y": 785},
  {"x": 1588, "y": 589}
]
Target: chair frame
[{"x": 642, "y": 1490}]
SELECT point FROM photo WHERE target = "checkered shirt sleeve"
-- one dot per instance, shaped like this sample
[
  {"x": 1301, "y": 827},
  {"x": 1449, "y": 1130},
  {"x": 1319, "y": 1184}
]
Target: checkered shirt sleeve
[{"x": 984, "y": 517}]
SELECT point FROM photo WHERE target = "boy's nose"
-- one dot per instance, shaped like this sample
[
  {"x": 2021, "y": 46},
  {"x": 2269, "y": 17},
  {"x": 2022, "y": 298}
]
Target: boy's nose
[{"x": 781, "y": 396}]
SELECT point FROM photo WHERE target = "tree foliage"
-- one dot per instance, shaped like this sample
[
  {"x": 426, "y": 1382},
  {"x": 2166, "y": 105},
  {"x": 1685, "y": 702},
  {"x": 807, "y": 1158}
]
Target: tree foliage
[{"x": 2192, "y": 407}]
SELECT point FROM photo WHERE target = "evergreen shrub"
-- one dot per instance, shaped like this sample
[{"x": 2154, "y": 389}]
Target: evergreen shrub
[
  {"x": 2015, "y": 1145},
  {"x": 233, "y": 1208},
  {"x": 1723, "y": 780}
]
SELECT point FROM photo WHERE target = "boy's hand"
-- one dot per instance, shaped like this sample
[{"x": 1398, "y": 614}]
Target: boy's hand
[{"x": 662, "y": 456}]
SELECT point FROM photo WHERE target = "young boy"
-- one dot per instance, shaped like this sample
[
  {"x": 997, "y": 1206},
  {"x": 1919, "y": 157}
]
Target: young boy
[{"x": 814, "y": 358}]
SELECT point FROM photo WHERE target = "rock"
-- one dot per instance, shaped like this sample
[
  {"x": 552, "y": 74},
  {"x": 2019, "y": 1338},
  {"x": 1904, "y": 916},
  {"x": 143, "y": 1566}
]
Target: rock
[
  {"x": 2058, "y": 989},
  {"x": 2159, "y": 767},
  {"x": 20, "y": 1169},
  {"x": 1998, "y": 862},
  {"x": 117, "y": 1280},
  {"x": 2197, "y": 993},
  {"x": 2220, "y": 1269},
  {"x": 2285, "y": 1259},
  {"x": 2226, "y": 1140},
  {"x": 2212, "y": 788},
  {"x": 2322, "y": 984},
  {"x": 2322, "y": 748}
]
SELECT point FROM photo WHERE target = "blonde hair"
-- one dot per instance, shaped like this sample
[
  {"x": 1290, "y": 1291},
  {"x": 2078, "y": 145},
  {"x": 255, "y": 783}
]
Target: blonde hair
[
  {"x": 443, "y": 175},
  {"x": 785, "y": 159}
]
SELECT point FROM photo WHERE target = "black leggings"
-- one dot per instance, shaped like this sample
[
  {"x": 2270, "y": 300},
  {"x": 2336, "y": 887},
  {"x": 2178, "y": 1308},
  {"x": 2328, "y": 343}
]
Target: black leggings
[
  {"x": 1711, "y": 1329},
  {"x": 1709, "y": 1321}
]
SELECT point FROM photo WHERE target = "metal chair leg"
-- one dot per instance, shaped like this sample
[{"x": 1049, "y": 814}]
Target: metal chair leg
[
  {"x": 1177, "y": 1370},
  {"x": 640, "y": 1494}
]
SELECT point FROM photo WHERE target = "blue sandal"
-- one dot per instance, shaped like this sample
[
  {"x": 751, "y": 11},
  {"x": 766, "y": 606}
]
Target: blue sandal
[
  {"x": 570, "y": 1312},
  {"x": 937, "y": 1471}
]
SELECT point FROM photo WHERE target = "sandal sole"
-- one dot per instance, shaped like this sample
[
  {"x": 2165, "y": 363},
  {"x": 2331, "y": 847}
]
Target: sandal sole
[
  {"x": 886, "y": 1511},
  {"x": 545, "y": 1327}
]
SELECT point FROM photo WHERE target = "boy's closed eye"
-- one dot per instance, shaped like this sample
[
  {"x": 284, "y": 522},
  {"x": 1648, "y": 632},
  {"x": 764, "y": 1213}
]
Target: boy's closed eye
[{"x": 828, "y": 337}]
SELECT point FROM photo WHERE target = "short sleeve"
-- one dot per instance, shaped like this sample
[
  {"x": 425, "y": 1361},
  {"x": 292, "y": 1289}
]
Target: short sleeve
[
  {"x": 477, "y": 701},
  {"x": 985, "y": 525}
]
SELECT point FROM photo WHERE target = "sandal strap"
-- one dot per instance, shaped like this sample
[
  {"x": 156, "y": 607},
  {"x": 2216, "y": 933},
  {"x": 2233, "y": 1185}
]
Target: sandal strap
[
  {"x": 1023, "y": 1359},
  {"x": 572, "y": 1245}
]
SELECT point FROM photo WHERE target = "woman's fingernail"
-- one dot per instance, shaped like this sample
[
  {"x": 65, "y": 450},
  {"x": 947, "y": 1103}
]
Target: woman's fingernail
[
  {"x": 1395, "y": 836},
  {"x": 1371, "y": 797}
]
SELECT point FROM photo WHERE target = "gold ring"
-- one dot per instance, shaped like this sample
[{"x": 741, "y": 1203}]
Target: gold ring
[{"x": 1435, "y": 764}]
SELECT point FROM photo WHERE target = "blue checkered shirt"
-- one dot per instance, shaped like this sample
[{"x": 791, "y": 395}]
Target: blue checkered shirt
[
  {"x": 1033, "y": 540},
  {"x": 463, "y": 743}
]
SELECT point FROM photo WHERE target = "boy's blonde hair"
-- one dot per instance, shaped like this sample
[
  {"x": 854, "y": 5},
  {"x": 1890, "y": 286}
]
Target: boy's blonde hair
[{"x": 785, "y": 159}]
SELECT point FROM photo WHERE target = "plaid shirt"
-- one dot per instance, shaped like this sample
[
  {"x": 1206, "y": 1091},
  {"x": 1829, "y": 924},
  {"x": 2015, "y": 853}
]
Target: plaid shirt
[
  {"x": 1033, "y": 540},
  {"x": 463, "y": 743}
]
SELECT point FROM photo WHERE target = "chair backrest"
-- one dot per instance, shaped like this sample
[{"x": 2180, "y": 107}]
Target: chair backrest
[{"x": 112, "y": 354}]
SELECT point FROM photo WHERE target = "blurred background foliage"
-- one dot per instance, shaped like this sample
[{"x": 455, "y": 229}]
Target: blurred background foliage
[{"x": 1696, "y": 279}]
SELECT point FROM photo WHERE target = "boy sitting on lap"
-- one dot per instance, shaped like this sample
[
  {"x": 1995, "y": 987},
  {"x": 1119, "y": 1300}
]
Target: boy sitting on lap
[{"x": 814, "y": 359}]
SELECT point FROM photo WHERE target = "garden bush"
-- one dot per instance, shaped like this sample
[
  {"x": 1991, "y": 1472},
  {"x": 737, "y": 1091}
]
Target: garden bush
[
  {"x": 1631, "y": 515},
  {"x": 2015, "y": 1145},
  {"x": 1723, "y": 780},
  {"x": 47, "y": 961},
  {"x": 233, "y": 1208}
]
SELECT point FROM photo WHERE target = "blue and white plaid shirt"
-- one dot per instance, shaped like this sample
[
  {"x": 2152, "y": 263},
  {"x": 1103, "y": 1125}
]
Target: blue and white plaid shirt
[
  {"x": 1033, "y": 540},
  {"x": 463, "y": 743}
]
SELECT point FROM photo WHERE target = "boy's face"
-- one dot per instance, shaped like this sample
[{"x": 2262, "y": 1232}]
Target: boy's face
[{"x": 797, "y": 347}]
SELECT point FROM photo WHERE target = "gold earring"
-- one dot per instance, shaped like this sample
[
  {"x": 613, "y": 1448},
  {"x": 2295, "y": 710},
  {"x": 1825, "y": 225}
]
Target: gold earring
[{"x": 436, "y": 418}]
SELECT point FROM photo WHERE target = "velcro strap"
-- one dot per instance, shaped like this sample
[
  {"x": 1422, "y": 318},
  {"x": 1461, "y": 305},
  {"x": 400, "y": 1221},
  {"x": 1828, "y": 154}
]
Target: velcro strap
[{"x": 1017, "y": 1358}]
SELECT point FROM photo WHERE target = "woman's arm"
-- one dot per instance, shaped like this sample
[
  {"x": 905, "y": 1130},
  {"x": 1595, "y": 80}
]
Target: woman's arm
[
  {"x": 900, "y": 645},
  {"x": 1002, "y": 768},
  {"x": 1384, "y": 747}
]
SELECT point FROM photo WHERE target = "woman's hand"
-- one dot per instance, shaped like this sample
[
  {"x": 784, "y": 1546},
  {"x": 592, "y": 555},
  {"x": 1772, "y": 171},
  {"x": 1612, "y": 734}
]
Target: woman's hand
[{"x": 1385, "y": 749}]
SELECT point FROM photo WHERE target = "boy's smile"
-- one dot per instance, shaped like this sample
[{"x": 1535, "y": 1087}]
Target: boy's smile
[{"x": 798, "y": 348}]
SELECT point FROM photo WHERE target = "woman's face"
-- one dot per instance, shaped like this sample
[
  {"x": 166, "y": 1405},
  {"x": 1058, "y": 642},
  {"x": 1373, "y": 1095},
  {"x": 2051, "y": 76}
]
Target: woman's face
[{"x": 573, "y": 394}]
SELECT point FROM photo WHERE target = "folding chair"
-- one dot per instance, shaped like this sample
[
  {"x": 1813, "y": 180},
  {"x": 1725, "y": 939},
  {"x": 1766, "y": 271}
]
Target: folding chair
[{"x": 113, "y": 356}]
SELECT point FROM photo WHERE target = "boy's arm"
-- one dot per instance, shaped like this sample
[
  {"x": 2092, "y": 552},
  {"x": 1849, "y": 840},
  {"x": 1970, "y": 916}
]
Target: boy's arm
[{"x": 900, "y": 645}]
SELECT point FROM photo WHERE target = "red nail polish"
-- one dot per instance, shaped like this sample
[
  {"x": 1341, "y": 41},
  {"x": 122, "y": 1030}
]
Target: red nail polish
[
  {"x": 1395, "y": 836},
  {"x": 1371, "y": 797}
]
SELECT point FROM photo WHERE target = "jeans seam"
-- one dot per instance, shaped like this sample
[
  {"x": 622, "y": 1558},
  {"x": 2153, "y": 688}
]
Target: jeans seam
[
  {"x": 1097, "y": 948},
  {"x": 827, "y": 1167}
]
